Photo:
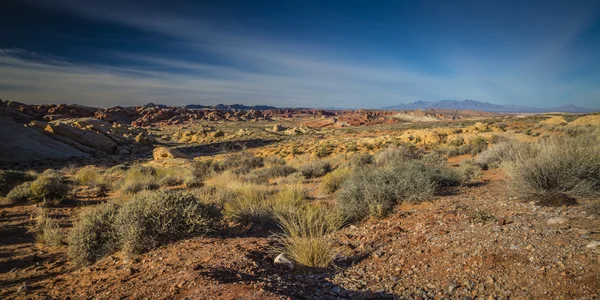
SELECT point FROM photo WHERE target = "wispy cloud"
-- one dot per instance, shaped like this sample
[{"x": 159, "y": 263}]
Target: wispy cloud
[{"x": 254, "y": 67}]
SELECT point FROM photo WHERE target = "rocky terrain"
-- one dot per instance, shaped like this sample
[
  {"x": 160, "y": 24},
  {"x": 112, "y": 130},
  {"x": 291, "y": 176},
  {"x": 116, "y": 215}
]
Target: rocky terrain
[{"x": 477, "y": 236}]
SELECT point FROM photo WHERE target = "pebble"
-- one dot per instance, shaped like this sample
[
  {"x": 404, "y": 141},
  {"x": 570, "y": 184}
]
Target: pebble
[
  {"x": 557, "y": 221},
  {"x": 593, "y": 244}
]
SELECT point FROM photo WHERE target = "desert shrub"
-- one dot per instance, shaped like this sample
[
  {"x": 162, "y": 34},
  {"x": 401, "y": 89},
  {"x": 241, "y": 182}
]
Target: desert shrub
[
  {"x": 10, "y": 179},
  {"x": 469, "y": 171},
  {"x": 304, "y": 237},
  {"x": 250, "y": 205},
  {"x": 289, "y": 198},
  {"x": 264, "y": 174},
  {"x": 87, "y": 175},
  {"x": 374, "y": 192},
  {"x": 46, "y": 230},
  {"x": 478, "y": 144},
  {"x": 315, "y": 169},
  {"x": 361, "y": 160},
  {"x": 332, "y": 181},
  {"x": 134, "y": 187},
  {"x": 193, "y": 182},
  {"x": 95, "y": 234},
  {"x": 558, "y": 165},
  {"x": 273, "y": 161},
  {"x": 393, "y": 155},
  {"x": 495, "y": 139},
  {"x": 202, "y": 169},
  {"x": 243, "y": 161},
  {"x": 116, "y": 169},
  {"x": 457, "y": 142},
  {"x": 20, "y": 193},
  {"x": 594, "y": 208},
  {"x": 494, "y": 156},
  {"x": 151, "y": 219},
  {"x": 50, "y": 188}
]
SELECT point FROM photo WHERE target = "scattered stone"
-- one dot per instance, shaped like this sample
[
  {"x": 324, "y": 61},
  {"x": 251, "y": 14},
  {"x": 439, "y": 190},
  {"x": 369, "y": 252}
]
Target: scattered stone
[
  {"x": 165, "y": 153},
  {"x": 593, "y": 244},
  {"x": 284, "y": 262},
  {"x": 557, "y": 221}
]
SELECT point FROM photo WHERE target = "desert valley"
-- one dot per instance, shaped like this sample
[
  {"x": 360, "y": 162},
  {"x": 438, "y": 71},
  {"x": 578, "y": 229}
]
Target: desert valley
[{"x": 251, "y": 202}]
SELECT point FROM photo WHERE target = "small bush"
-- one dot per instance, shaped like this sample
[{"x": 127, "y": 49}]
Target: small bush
[
  {"x": 457, "y": 142},
  {"x": 478, "y": 144},
  {"x": 20, "y": 193},
  {"x": 263, "y": 175},
  {"x": 361, "y": 160},
  {"x": 95, "y": 234},
  {"x": 333, "y": 181},
  {"x": 50, "y": 189},
  {"x": 558, "y": 165},
  {"x": 393, "y": 155},
  {"x": 243, "y": 161},
  {"x": 305, "y": 235},
  {"x": 315, "y": 169},
  {"x": 151, "y": 219},
  {"x": 87, "y": 176},
  {"x": 134, "y": 187},
  {"x": 469, "y": 171},
  {"x": 46, "y": 230},
  {"x": 504, "y": 151},
  {"x": 10, "y": 179}
]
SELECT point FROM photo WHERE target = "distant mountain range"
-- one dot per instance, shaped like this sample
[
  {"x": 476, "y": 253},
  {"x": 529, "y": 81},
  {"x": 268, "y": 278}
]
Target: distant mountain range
[{"x": 484, "y": 106}]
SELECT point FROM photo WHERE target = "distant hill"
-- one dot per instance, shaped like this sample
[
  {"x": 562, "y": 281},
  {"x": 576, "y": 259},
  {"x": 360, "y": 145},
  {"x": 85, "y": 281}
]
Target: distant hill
[
  {"x": 232, "y": 106},
  {"x": 483, "y": 106}
]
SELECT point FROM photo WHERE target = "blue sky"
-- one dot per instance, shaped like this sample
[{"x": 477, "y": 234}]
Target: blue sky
[{"x": 366, "y": 54}]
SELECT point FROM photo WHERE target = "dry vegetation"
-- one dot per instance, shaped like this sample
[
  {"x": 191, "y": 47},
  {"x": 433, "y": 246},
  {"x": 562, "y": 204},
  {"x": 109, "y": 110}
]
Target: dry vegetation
[{"x": 299, "y": 200}]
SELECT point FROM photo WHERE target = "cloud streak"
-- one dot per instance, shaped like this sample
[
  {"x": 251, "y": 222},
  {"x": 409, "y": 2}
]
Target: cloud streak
[{"x": 225, "y": 62}]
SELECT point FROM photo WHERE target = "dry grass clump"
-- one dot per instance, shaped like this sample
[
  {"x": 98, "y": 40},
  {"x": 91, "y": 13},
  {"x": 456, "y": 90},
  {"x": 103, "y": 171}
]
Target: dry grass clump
[
  {"x": 333, "y": 181},
  {"x": 151, "y": 219},
  {"x": 50, "y": 188},
  {"x": 10, "y": 179},
  {"x": 46, "y": 230},
  {"x": 558, "y": 165},
  {"x": 251, "y": 205},
  {"x": 315, "y": 169},
  {"x": 95, "y": 234},
  {"x": 305, "y": 232}
]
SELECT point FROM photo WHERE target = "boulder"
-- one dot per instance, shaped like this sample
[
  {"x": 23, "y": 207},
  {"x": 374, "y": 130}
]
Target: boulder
[
  {"x": 165, "y": 153},
  {"x": 88, "y": 138}
]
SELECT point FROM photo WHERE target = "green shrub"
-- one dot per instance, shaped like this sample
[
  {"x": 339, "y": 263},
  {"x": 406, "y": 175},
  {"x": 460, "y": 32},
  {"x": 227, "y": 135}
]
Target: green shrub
[
  {"x": 88, "y": 176},
  {"x": 494, "y": 156},
  {"x": 134, "y": 187},
  {"x": 315, "y": 169},
  {"x": 361, "y": 160},
  {"x": 95, "y": 234},
  {"x": 557, "y": 165},
  {"x": 20, "y": 193},
  {"x": 151, "y": 219},
  {"x": 457, "y": 142},
  {"x": 396, "y": 154},
  {"x": 50, "y": 189},
  {"x": 333, "y": 181},
  {"x": 243, "y": 161}
]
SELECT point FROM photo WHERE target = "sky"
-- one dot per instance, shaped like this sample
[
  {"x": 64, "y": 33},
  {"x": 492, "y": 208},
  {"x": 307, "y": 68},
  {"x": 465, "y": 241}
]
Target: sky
[{"x": 352, "y": 54}]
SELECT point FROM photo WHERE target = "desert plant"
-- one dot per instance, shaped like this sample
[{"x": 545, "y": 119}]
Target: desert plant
[
  {"x": 134, "y": 187},
  {"x": 46, "y": 230},
  {"x": 478, "y": 144},
  {"x": 332, "y": 181},
  {"x": 361, "y": 160},
  {"x": 315, "y": 169},
  {"x": 95, "y": 234},
  {"x": 243, "y": 161},
  {"x": 399, "y": 153},
  {"x": 457, "y": 142},
  {"x": 469, "y": 171},
  {"x": 251, "y": 205},
  {"x": 304, "y": 237},
  {"x": 557, "y": 165},
  {"x": 504, "y": 151},
  {"x": 20, "y": 193},
  {"x": 50, "y": 188},
  {"x": 154, "y": 218},
  {"x": 264, "y": 174},
  {"x": 10, "y": 179},
  {"x": 87, "y": 175}
]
